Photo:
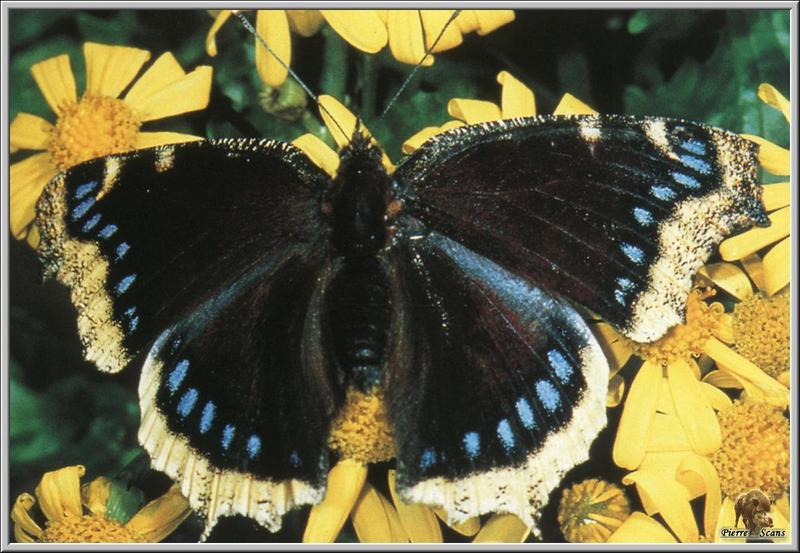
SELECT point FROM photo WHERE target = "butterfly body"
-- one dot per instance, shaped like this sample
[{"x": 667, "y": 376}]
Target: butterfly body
[{"x": 260, "y": 291}]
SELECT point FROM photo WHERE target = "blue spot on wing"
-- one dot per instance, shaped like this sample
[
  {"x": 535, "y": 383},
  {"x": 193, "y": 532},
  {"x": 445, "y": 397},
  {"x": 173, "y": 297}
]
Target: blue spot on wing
[
  {"x": 548, "y": 395},
  {"x": 634, "y": 253},
  {"x": 642, "y": 216},
  {"x": 122, "y": 249},
  {"x": 663, "y": 192},
  {"x": 694, "y": 146},
  {"x": 253, "y": 446},
  {"x": 227, "y": 436},
  {"x": 525, "y": 413},
  {"x": 107, "y": 231},
  {"x": 85, "y": 189},
  {"x": 428, "y": 459},
  {"x": 472, "y": 444},
  {"x": 560, "y": 365},
  {"x": 505, "y": 434},
  {"x": 91, "y": 223},
  {"x": 186, "y": 404},
  {"x": 81, "y": 209},
  {"x": 686, "y": 180},
  {"x": 295, "y": 460},
  {"x": 177, "y": 375},
  {"x": 699, "y": 165},
  {"x": 207, "y": 417},
  {"x": 123, "y": 285}
]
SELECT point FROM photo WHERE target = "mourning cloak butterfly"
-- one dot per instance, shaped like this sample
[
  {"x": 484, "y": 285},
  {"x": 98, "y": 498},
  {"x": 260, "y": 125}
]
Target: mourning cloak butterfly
[{"x": 256, "y": 290}]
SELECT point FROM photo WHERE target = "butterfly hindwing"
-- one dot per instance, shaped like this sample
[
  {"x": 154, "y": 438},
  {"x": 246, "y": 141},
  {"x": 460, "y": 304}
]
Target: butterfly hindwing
[
  {"x": 616, "y": 213},
  {"x": 499, "y": 389}
]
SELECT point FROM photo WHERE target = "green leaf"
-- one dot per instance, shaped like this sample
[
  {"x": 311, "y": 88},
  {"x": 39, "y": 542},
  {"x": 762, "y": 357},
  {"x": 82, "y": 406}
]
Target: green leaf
[{"x": 123, "y": 502}]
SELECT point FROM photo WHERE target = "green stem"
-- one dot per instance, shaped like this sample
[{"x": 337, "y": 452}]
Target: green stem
[
  {"x": 334, "y": 64},
  {"x": 368, "y": 87}
]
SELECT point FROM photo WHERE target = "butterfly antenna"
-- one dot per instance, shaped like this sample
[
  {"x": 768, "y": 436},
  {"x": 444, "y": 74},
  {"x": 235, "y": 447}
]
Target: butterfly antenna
[
  {"x": 419, "y": 65},
  {"x": 249, "y": 26}
]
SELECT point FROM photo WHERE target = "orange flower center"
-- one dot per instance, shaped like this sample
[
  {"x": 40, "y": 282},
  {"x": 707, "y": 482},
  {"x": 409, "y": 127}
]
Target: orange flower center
[
  {"x": 361, "y": 429},
  {"x": 88, "y": 529},
  {"x": 95, "y": 126},
  {"x": 687, "y": 340}
]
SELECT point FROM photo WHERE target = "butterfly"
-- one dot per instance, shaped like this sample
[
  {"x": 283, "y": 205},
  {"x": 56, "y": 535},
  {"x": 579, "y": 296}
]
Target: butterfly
[{"x": 254, "y": 291}]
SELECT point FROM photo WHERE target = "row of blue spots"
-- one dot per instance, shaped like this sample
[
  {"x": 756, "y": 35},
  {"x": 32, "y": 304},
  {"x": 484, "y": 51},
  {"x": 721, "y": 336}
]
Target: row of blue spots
[
  {"x": 685, "y": 180},
  {"x": 663, "y": 192},
  {"x": 80, "y": 210},
  {"x": 560, "y": 364},
  {"x": 428, "y": 459},
  {"x": 505, "y": 434},
  {"x": 85, "y": 189},
  {"x": 699, "y": 165},
  {"x": 472, "y": 444},
  {"x": 694, "y": 146},
  {"x": 642, "y": 216},
  {"x": 207, "y": 417},
  {"x": 634, "y": 253},
  {"x": 133, "y": 318},
  {"x": 187, "y": 401},
  {"x": 525, "y": 413},
  {"x": 91, "y": 223},
  {"x": 548, "y": 395},
  {"x": 123, "y": 285},
  {"x": 177, "y": 375}
]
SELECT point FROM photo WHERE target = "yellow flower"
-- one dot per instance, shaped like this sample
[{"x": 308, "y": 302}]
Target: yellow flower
[
  {"x": 410, "y": 34},
  {"x": 92, "y": 513},
  {"x": 773, "y": 271},
  {"x": 591, "y": 510},
  {"x": 98, "y": 123}
]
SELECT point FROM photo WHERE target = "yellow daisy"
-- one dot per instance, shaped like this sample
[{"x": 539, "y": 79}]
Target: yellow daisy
[
  {"x": 92, "y": 513},
  {"x": 591, "y": 510},
  {"x": 98, "y": 123},
  {"x": 410, "y": 34}
]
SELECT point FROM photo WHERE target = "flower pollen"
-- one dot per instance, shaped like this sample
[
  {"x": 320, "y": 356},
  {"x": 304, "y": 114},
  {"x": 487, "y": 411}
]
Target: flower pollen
[
  {"x": 591, "y": 510},
  {"x": 761, "y": 332},
  {"x": 361, "y": 430},
  {"x": 755, "y": 449},
  {"x": 88, "y": 529},
  {"x": 94, "y": 126},
  {"x": 686, "y": 340}
]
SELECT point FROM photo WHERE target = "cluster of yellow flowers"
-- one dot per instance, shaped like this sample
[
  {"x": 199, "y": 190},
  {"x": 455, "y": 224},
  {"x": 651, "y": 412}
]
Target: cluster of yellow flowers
[{"x": 679, "y": 432}]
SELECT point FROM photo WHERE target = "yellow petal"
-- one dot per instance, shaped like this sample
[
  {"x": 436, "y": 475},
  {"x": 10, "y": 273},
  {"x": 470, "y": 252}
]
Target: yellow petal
[
  {"x": 320, "y": 153},
  {"x": 162, "y": 73},
  {"x": 726, "y": 520},
  {"x": 637, "y": 416},
  {"x": 695, "y": 466},
  {"x": 776, "y": 196},
  {"x": 418, "y": 139},
  {"x": 159, "y": 518},
  {"x": 751, "y": 241},
  {"x": 59, "y": 492},
  {"x": 570, "y": 105},
  {"x": 433, "y": 21},
  {"x": 782, "y": 505},
  {"x": 95, "y": 495},
  {"x": 419, "y": 521},
  {"x": 616, "y": 390},
  {"x": 730, "y": 361},
  {"x": 211, "y": 37},
  {"x": 326, "y": 519},
  {"x": 56, "y": 81},
  {"x": 666, "y": 434},
  {"x": 503, "y": 528},
  {"x": 467, "y": 21},
  {"x": 665, "y": 404},
  {"x": 777, "y": 265},
  {"x": 490, "y": 20},
  {"x": 666, "y": 463},
  {"x": 613, "y": 345},
  {"x": 517, "y": 99},
  {"x": 772, "y": 157},
  {"x": 151, "y": 139},
  {"x": 666, "y": 496},
  {"x": 273, "y": 26},
  {"x": 30, "y": 132},
  {"x": 640, "y": 528},
  {"x": 375, "y": 519},
  {"x": 406, "y": 39},
  {"x": 692, "y": 408},
  {"x": 755, "y": 269},
  {"x": 304, "y": 22},
  {"x": 28, "y": 179},
  {"x": 468, "y": 527},
  {"x": 770, "y": 95},
  {"x": 34, "y": 237},
  {"x": 189, "y": 93},
  {"x": 781, "y": 521},
  {"x": 729, "y": 277},
  {"x": 785, "y": 378},
  {"x": 473, "y": 111},
  {"x": 363, "y": 29},
  {"x": 109, "y": 69},
  {"x": 724, "y": 328},
  {"x": 718, "y": 399},
  {"x": 22, "y": 519}
]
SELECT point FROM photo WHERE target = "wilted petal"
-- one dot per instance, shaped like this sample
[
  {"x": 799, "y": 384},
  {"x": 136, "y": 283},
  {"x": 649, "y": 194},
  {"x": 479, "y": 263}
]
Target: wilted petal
[
  {"x": 326, "y": 519},
  {"x": 668, "y": 497},
  {"x": 375, "y": 519},
  {"x": 505, "y": 528},
  {"x": 59, "y": 492},
  {"x": 22, "y": 519},
  {"x": 751, "y": 241},
  {"x": 777, "y": 266},
  {"x": 95, "y": 495},
  {"x": 637, "y": 417},
  {"x": 640, "y": 528},
  {"x": 517, "y": 100},
  {"x": 159, "y": 518}
]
